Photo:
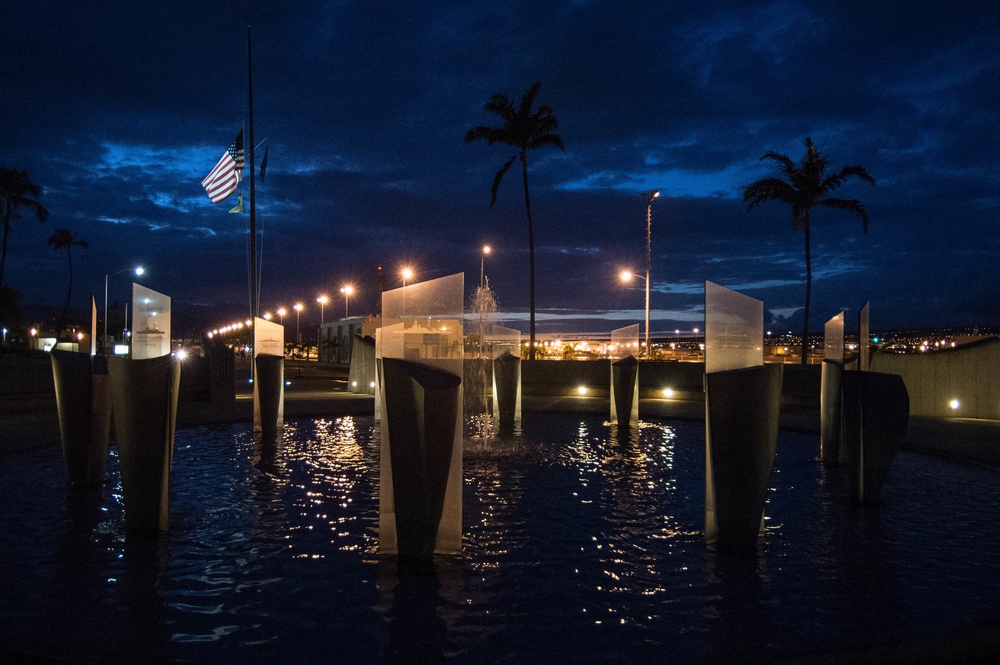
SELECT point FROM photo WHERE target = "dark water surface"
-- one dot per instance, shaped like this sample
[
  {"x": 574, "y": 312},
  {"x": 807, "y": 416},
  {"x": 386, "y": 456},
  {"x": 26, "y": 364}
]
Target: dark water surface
[{"x": 580, "y": 545}]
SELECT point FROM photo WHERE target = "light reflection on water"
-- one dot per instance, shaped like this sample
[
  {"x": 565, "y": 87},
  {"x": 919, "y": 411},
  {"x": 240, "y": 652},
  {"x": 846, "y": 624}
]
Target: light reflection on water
[{"x": 582, "y": 542}]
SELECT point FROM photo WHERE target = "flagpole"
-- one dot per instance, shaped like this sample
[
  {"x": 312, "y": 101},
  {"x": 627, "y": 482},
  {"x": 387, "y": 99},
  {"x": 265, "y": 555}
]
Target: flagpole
[{"x": 254, "y": 305}]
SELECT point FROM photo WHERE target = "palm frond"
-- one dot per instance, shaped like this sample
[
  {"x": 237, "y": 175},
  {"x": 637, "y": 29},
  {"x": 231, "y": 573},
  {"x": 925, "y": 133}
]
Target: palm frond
[
  {"x": 787, "y": 165},
  {"x": 501, "y": 106},
  {"x": 848, "y": 205},
  {"x": 769, "y": 189},
  {"x": 499, "y": 176}
]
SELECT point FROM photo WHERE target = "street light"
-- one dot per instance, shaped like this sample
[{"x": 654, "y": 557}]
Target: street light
[
  {"x": 482, "y": 265},
  {"x": 322, "y": 300},
  {"x": 347, "y": 290},
  {"x": 298, "y": 313},
  {"x": 648, "y": 197},
  {"x": 406, "y": 273},
  {"x": 626, "y": 276},
  {"x": 138, "y": 270},
  {"x": 281, "y": 311}
]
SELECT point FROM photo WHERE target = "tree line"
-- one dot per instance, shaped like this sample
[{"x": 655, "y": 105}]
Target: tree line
[{"x": 18, "y": 194}]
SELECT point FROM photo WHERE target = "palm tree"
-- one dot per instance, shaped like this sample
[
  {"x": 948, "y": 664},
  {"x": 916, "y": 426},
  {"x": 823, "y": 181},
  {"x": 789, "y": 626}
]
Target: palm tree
[
  {"x": 522, "y": 129},
  {"x": 16, "y": 191},
  {"x": 808, "y": 184},
  {"x": 64, "y": 239}
]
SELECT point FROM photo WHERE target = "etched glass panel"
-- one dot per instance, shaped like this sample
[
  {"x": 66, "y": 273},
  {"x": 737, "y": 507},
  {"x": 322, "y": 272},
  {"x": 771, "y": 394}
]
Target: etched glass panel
[
  {"x": 150, "y": 323},
  {"x": 500, "y": 340},
  {"x": 833, "y": 339},
  {"x": 423, "y": 323},
  {"x": 624, "y": 342},
  {"x": 734, "y": 329},
  {"x": 268, "y": 337}
]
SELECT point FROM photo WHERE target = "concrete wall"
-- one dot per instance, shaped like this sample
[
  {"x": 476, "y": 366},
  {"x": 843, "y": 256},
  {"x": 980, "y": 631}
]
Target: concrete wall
[
  {"x": 551, "y": 378},
  {"x": 967, "y": 374},
  {"x": 26, "y": 374},
  {"x": 31, "y": 376}
]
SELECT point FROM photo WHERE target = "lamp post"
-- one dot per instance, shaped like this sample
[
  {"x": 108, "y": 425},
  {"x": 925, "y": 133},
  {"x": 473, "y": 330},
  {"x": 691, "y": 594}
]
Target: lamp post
[
  {"x": 138, "y": 270},
  {"x": 322, "y": 300},
  {"x": 298, "y": 314},
  {"x": 347, "y": 290},
  {"x": 482, "y": 265},
  {"x": 626, "y": 276},
  {"x": 281, "y": 311},
  {"x": 648, "y": 197}
]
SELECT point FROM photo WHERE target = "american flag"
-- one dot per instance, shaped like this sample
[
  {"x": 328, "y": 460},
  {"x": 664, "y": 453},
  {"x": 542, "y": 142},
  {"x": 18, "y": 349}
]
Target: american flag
[{"x": 226, "y": 175}]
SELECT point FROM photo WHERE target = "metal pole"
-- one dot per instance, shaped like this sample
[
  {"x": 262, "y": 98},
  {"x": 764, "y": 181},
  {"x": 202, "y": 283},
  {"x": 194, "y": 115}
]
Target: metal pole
[
  {"x": 649, "y": 219},
  {"x": 104, "y": 342}
]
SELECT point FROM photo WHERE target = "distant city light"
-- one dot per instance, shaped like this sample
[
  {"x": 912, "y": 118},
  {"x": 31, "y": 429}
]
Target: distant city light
[
  {"x": 668, "y": 392},
  {"x": 581, "y": 390},
  {"x": 954, "y": 404}
]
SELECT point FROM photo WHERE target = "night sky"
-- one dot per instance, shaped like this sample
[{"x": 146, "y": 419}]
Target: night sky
[{"x": 119, "y": 109}]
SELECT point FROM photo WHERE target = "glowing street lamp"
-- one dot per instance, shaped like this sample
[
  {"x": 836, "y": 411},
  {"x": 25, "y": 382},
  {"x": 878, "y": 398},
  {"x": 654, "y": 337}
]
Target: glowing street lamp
[
  {"x": 281, "y": 311},
  {"x": 406, "y": 274},
  {"x": 482, "y": 265},
  {"x": 347, "y": 290},
  {"x": 138, "y": 270},
  {"x": 626, "y": 276},
  {"x": 298, "y": 314},
  {"x": 648, "y": 197},
  {"x": 322, "y": 300}
]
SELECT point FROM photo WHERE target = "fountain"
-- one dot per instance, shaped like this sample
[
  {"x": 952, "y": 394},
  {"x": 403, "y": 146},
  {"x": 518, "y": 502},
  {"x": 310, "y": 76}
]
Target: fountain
[
  {"x": 625, "y": 376},
  {"x": 269, "y": 377},
  {"x": 421, "y": 348},
  {"x": 864, "y": 414},
  {"x": 478, "y": 370},
  {"x": 742, "y": 395},
  {"x": 504, "y": 345}
]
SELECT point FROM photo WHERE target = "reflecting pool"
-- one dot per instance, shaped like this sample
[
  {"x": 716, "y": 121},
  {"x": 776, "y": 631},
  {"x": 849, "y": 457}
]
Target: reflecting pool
[{"x": 582, "y": 543}]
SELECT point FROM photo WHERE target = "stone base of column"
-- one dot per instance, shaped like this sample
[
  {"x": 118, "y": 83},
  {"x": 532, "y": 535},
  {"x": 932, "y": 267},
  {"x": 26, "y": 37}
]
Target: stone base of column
[{"x": 741, "y": 437}]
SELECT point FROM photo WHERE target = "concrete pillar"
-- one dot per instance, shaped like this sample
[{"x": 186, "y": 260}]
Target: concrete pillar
[
  {"x": 420, "y": 511},
  {"x": 831, "y": 413},
  {"x": 625, "y": 392},
  {"x": 507, "y": 390},
  {"x": 144, "y": 403},
  {"x": 742, "y": 421},
  {"x": 269, "y": 414},
  {"x": 84, "y": 411},
  {"x": 876, "y": 413}
]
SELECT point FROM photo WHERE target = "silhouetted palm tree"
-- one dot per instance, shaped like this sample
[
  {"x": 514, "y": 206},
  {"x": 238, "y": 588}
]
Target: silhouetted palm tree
[
  {"x": 16, "y": 191},
  {"x": 523, "y": 129},
  {"x": 64, "y": 239},
  {"x": 808, "y": 184}
]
